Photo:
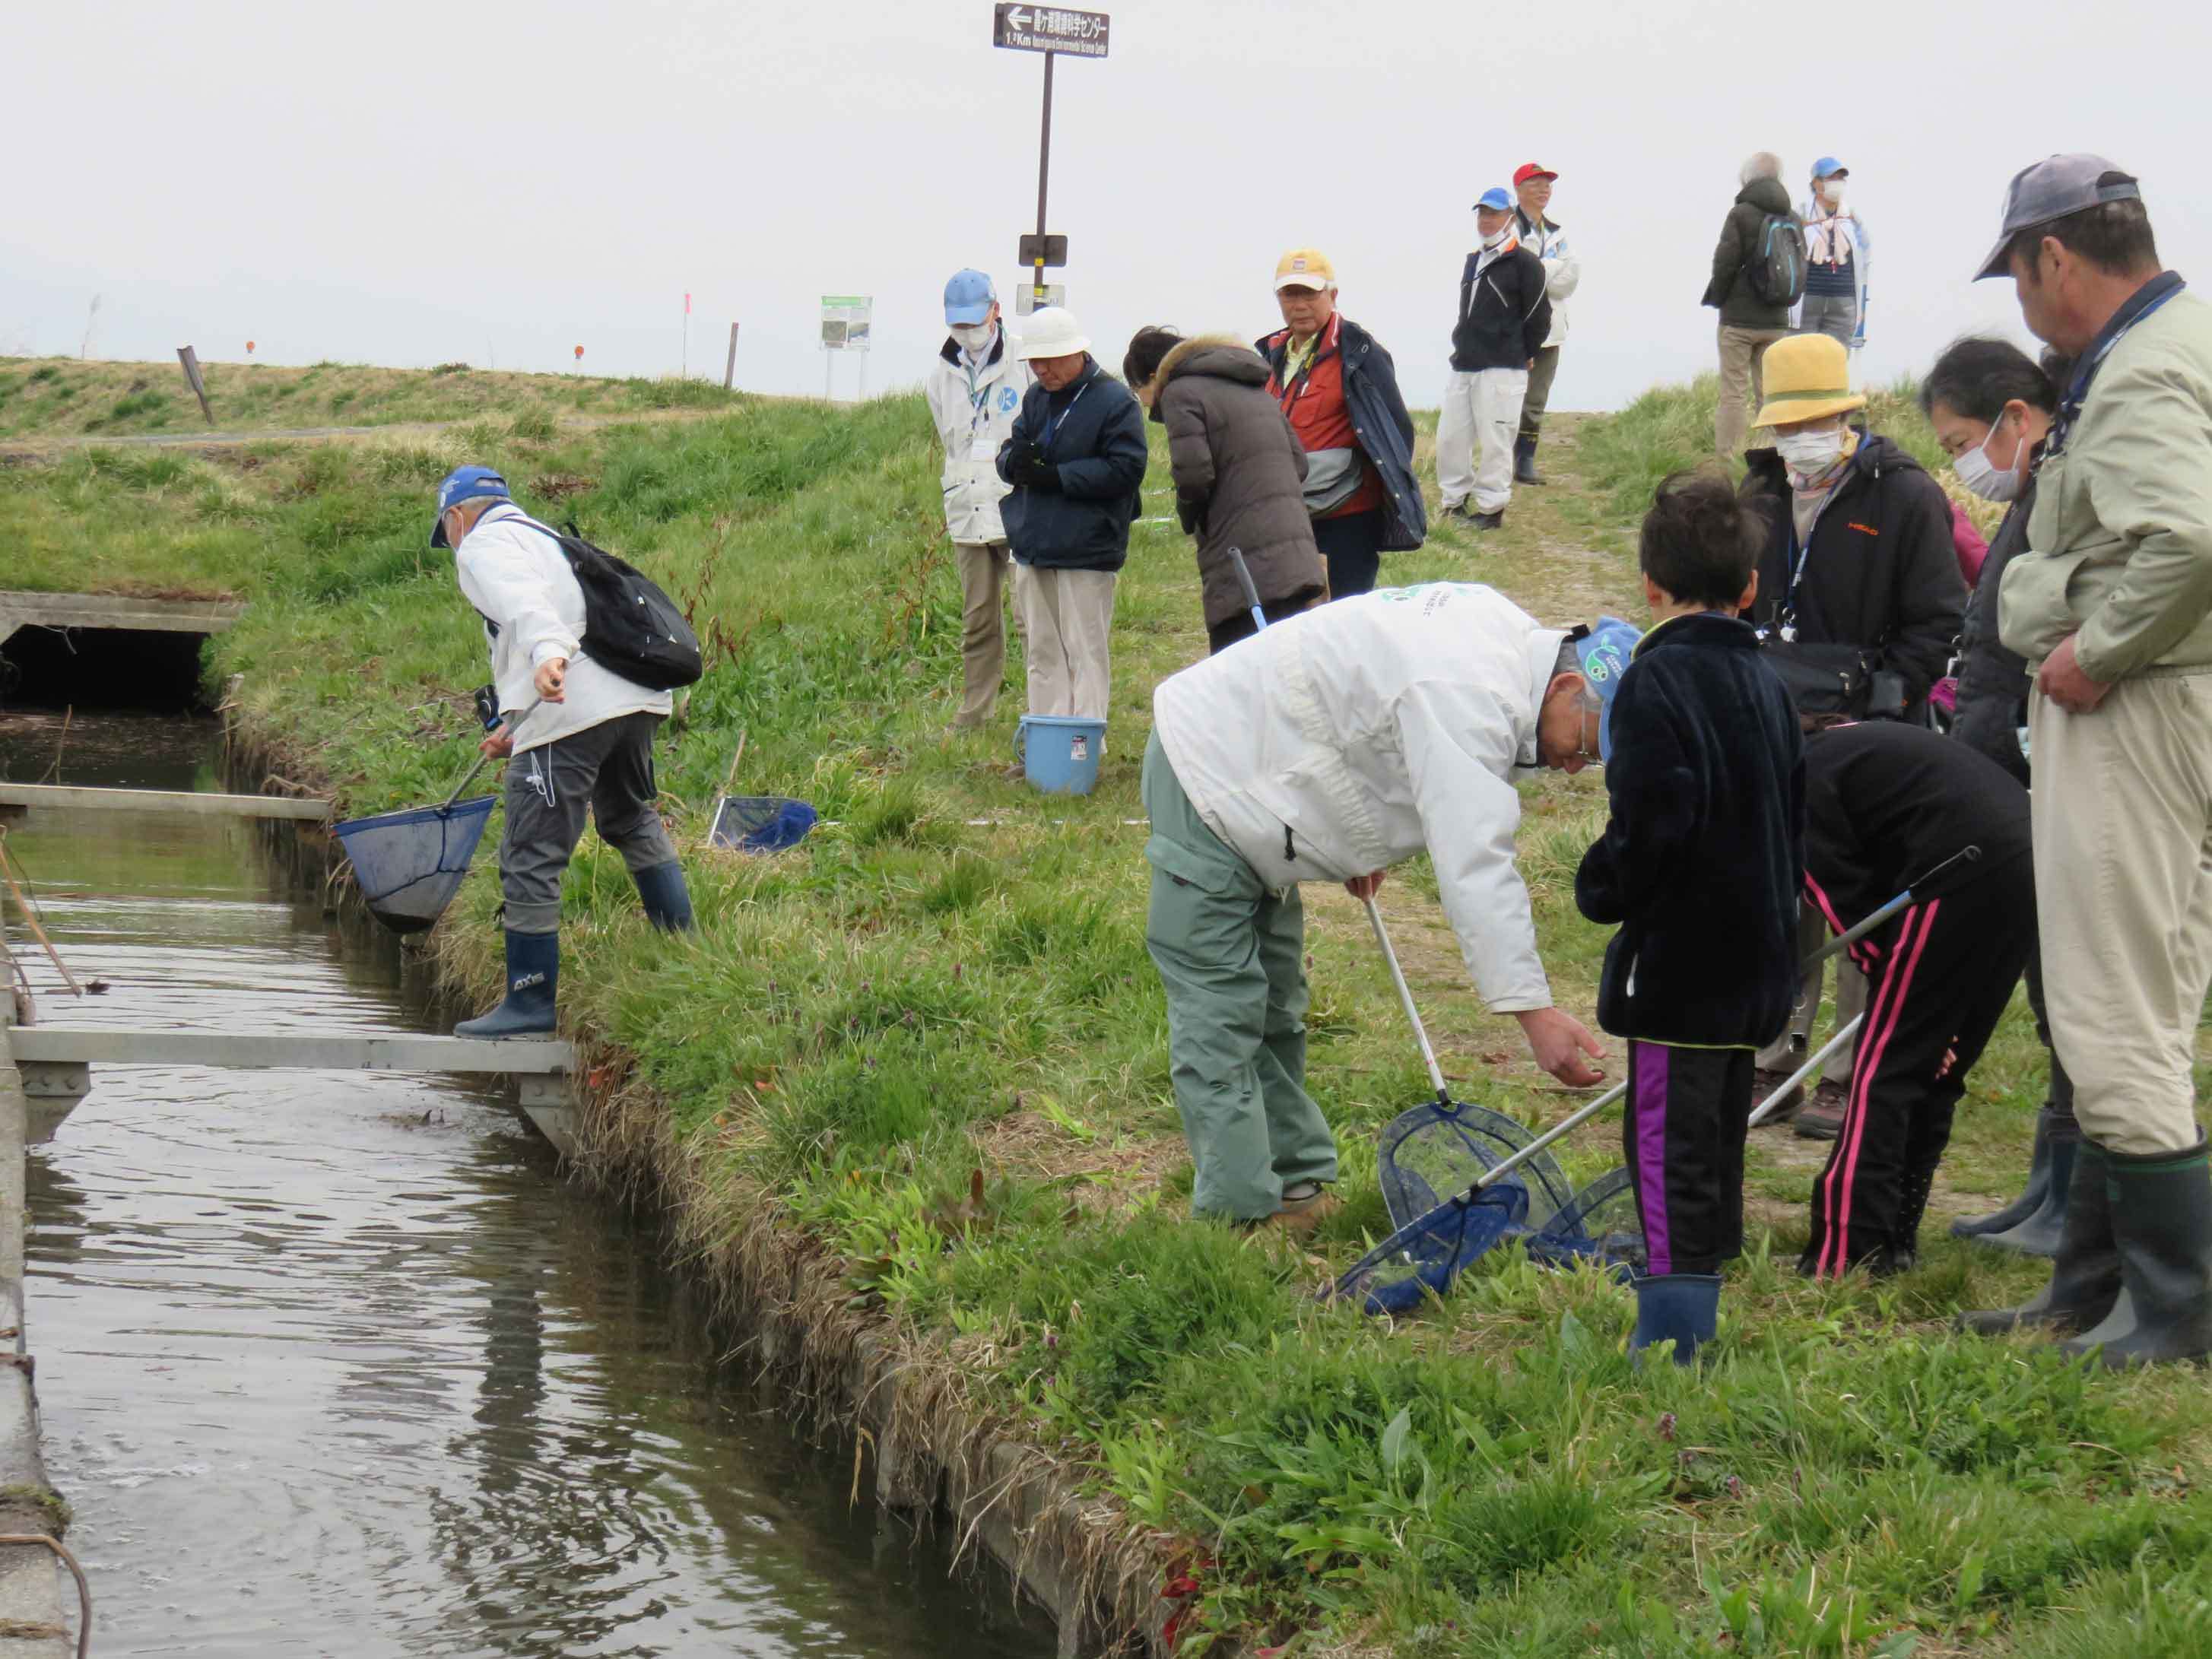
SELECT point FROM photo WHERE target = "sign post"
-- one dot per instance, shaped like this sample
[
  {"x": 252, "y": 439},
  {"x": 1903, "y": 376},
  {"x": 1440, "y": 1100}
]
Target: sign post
[
  {"x": 191, "y": 360},
  {"x": 845, "y": 327},
  {"x": 1052, "y": 31},
  {"x": 730, "y": 369}
]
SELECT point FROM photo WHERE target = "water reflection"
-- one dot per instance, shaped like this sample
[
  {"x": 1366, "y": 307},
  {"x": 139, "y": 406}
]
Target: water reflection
[{"x": 330, "y": 1363}]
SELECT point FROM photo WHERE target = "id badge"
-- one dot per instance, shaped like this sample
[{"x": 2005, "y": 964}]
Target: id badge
[{"x": 981, "y": 448}]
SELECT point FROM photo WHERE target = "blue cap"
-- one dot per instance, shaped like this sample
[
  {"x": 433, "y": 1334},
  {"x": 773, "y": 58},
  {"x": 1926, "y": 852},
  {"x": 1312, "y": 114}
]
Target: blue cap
[
  {"x": 1827, "y": 166},
  {"x": 1495, "y": 198},
  {"x": 465, "y": 484},
  {"x": 1604, "y": 651},
  {"x": 969, "y": 298}
]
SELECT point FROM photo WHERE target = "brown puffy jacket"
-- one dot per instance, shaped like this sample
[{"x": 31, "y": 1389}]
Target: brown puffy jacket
[{"x": 1239, "y": 475}]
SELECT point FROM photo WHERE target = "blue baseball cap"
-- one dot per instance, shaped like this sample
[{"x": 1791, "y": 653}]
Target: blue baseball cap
[
  {"x": 1605, "y": 653},
  {"x": 465, "y": 484},
  {"x": 1495, "y": 198},
  {"x": 1828, "y": 167},
  {"x": 969, "y": 298}
]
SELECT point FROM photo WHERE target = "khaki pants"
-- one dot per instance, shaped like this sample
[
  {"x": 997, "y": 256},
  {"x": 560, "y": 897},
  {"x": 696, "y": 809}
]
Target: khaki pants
[
  {"x": 1539, "y": 399},
  {"x": 1787, "y": 1052},
  {"x": 1743, "y": 355},
  {"x": 982, "y": 627},
  {"x": 2123, "y": 815},
  {"x": 1067, "y": 625}
]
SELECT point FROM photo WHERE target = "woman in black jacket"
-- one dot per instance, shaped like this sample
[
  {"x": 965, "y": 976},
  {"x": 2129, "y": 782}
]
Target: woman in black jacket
[{"x": 1991, "y": 405}]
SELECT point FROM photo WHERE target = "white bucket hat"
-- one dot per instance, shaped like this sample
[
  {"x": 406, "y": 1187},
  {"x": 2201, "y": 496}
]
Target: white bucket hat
[{"x": 1053, "y": 332}]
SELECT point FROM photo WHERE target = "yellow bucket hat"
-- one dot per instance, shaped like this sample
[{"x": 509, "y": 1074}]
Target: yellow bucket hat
[{"x": 1805, "y": 377}]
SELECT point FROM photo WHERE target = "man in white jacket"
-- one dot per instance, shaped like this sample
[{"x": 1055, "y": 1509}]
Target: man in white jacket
[
  {"x": 1332, "y": 745},
  {"x": 1562, "y": 274},
  {"x": 975, "y": 391},
  {"x": 580, "y": 736}
]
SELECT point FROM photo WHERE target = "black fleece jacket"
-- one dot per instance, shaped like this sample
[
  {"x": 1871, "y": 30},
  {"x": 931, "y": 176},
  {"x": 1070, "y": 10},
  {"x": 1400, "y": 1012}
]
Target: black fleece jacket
[
  {"x": 1993, "y": 681},
  {"x": 1504, "y": 312},
  {"x": 1699, "y": 861},
  {"x": 1881, "y": 572}
]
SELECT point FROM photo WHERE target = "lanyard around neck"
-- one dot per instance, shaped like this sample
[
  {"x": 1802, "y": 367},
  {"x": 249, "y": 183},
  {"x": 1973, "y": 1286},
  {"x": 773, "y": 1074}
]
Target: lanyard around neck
[
  {"x": 1054, "y": 422},
  {"x": 2070, "y": 406}
]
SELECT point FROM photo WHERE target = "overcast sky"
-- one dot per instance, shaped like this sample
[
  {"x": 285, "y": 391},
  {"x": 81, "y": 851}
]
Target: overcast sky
[{"x": 501, "y": 180}]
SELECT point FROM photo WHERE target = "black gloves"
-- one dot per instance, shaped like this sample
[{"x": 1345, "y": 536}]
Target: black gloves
[{"x": 1035, "y": 472}]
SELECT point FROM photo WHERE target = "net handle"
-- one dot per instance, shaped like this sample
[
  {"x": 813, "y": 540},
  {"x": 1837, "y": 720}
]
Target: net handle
[{"x": 1405, "y": 1000}]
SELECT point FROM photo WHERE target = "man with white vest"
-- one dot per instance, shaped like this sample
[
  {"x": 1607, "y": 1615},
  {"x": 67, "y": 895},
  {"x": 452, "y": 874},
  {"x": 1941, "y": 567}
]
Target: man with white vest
[
  {"x": 975, "y": 391},
  {"x": 1562, "y": 274},
  {"x": 580, "y": 734},
  {"x": 1332, "y": 745}
]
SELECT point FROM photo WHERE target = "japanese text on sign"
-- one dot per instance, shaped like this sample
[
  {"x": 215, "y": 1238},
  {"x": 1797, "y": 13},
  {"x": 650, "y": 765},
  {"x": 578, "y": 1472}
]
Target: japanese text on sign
[{"x": 1050, "y": 28}]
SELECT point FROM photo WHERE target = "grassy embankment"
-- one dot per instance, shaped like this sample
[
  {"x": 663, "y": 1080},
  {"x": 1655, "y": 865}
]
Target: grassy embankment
[
  {"x": 51, "y": 397},
  {"x": 912, "y": 996}
]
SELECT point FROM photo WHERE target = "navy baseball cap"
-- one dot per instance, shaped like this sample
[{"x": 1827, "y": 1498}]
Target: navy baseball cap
[
  {"x": 1495, "y": 199},
  {"x": 1604, "y": 651},
  {"x": 969, "y": 298},
  {"x": 2052, "y": 189},
  {"x": 465, "y": 484}
]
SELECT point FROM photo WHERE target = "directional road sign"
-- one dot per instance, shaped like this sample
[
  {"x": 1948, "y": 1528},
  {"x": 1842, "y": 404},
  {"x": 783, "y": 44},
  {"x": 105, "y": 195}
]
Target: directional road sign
[{"x": 1050, "y": 28}]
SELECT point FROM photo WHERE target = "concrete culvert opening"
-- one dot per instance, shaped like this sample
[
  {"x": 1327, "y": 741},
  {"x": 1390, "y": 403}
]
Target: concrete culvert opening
[{"x": 116, "y": 668}]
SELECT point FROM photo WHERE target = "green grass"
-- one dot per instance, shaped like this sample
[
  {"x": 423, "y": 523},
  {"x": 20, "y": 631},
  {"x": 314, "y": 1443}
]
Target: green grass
[
  {"x": 913, "y": 996},
  {"x": 44, "y": 399}
]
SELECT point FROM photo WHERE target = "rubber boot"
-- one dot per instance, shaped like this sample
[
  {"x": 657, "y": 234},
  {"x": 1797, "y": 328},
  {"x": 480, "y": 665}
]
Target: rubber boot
[
  {"x": 533, "y": 974},
  {"x": 667, "y": 900},
  {"x": 2162, "y": 1218},
  {"x": 2031, "y": 1198},
  {"x": 1684, "y": 1307},
  {"x": 1524, "y": 461},
  {"x": 2040, "y": 1234},
  {"x": 2085, "y": 1278}
]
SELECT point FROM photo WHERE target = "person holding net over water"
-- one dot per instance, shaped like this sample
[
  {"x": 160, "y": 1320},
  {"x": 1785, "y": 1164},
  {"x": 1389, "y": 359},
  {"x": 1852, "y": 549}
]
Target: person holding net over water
[
  {"x": 1698, "y": 866},
  {"x": 580, "y": 736}
]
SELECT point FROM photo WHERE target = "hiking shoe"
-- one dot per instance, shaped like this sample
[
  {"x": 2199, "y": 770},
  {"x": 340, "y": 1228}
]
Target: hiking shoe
[
  {"x": 1489, "y": 520},
  {"x": 1821, "y": 1118},
  {"x": 1764, "y": 1083},
  {"x": 1306, "y": 1205}
]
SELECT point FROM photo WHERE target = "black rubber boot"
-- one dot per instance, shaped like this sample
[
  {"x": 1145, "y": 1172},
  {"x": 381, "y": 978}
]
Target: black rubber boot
[
  {"x": 667, "y": 899},
  {"x": 2162, "y": 1217},
  {"x": 2031, "y": 1196},
  {"x": 533, "y": 974},
  {"x": 2040, "y": 1234},
  {"x": 2085, "y": 1280},
  {"x": 1684, "y": 1307},
  {"x": 1524, "y": 461}
]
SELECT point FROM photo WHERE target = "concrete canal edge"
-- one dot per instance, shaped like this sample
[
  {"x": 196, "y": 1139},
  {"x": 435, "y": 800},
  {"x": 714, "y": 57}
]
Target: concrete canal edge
[
  {"x": 911, "y": 1431},
  {"x": 31, "y": 1574}
]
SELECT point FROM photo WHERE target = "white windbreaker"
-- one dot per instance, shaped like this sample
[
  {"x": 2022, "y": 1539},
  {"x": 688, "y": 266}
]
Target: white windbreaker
[
  {"x": 1563, "y": 271},
  {"x": 974, "y": 417},
  {"x": 1346, "y": 738},
  {"x": 519, "y": 581}
]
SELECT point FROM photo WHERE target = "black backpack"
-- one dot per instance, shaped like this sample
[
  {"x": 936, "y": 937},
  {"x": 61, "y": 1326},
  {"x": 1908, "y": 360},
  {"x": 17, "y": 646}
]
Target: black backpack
[
  {"x": 631, "y": 627},
  {"x": 1775, "y": 267}
]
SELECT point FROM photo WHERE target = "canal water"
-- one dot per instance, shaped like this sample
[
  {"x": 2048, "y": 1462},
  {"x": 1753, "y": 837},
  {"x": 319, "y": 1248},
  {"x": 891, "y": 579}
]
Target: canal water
[{"x": 336, "y": 1363}]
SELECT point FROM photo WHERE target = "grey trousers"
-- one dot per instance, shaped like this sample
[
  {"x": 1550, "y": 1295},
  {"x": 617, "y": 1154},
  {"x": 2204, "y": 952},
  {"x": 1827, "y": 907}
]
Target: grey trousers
[
  {"x": 1836, "y": 315},
  {"x": 607, "y": 768},
  {"x": 1538, "y": 395}
]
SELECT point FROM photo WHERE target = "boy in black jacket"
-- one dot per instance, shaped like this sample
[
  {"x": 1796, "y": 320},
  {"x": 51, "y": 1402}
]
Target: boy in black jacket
[{"x": 1699, "y": 865}]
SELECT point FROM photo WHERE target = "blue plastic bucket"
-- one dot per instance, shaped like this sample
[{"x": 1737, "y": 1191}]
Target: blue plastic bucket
[{"x": 1060, "y": 752}]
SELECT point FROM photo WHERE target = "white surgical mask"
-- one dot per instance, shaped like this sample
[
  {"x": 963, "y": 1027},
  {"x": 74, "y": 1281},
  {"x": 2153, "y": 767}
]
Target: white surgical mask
[
  {"x": 1982, "y": 476},
  {"x": 1811, "y": 453},
  {"x": 1497, "y": 235},
  {"x": 974, "y": 338},
  {"x": 1832, "y": 192}
]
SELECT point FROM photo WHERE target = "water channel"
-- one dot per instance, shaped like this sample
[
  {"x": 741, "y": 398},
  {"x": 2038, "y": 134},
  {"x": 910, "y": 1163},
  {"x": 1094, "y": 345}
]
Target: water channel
[{"x": 338, "y": 1363}]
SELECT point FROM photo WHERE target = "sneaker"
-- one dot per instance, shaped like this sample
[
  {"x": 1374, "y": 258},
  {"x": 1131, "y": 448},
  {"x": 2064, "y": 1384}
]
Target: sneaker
[
  {"x": 1821, "y": 1118},
  {"x": 1764, "y": 1083}
]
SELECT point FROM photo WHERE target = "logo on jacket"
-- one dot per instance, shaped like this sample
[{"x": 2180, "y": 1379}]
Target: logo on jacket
[{"x": 1007, "y": 400}]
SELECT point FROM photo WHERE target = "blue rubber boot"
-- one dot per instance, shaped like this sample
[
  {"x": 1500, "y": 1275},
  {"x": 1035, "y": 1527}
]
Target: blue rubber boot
[
  {"x": 533, "y": 973},
  {"x": 667, "y": 900},
  {"x": 1683, "y": 1306}
]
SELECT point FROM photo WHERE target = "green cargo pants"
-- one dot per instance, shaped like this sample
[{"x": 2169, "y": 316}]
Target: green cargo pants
[{"x": 1232, "y": 954}]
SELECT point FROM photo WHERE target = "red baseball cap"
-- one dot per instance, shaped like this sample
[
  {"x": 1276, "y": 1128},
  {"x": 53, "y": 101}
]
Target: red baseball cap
[{"x": 1529, "y": 170}]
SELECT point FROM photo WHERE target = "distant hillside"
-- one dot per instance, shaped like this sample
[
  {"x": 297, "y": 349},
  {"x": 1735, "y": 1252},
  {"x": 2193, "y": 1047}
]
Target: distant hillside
[{"x": 65, "y": 397}]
